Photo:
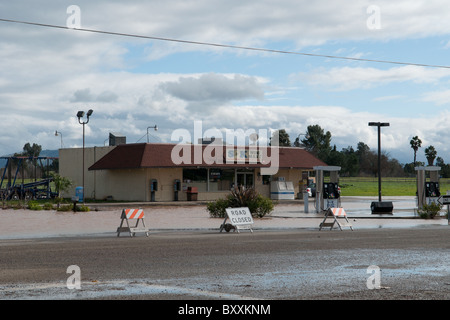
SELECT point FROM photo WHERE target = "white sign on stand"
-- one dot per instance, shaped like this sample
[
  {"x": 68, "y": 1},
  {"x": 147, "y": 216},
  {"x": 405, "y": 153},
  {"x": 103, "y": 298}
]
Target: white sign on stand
[{"x": 240, "y": 218}]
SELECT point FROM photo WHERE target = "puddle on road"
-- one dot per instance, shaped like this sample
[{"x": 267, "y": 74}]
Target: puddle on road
[{"x": 25, "y": 224}]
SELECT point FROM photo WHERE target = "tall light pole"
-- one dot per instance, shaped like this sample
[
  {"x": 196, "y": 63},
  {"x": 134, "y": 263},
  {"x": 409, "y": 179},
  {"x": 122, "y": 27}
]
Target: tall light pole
[
  {"x": 80, "y": 114},
  {"x": 154, "y": 127},
  {"x": 379, "y": 125},
  {"x": 59, "y": 133}
]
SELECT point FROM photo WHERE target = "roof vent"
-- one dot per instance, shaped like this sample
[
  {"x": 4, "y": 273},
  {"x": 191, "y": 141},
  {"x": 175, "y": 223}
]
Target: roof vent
[
  {"x": 117, "y": 138},
  {"x": 217, "y": 141}
]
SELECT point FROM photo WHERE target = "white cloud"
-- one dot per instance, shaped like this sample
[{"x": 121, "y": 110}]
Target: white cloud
[
  {"x": 85, "y": 95},
  {"x": 350, "y": 78},
  {"x": 388, "y": 98},
  {"x": 208, "y": 91},
  {"x": 49, "y": 74},
  {"x": 438, "y": 97}
]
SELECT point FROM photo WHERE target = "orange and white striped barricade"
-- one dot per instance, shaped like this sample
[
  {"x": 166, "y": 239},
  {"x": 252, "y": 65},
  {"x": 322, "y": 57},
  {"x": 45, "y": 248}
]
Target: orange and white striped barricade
[
  {"x": 334, "y": 214},
  {"x": 128, "y": 214}
]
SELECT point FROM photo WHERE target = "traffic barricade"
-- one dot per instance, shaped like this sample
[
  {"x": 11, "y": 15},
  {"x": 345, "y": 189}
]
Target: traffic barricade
[
  {"x": 334, "y": 214},
  {"x": 132, "y": 214}
]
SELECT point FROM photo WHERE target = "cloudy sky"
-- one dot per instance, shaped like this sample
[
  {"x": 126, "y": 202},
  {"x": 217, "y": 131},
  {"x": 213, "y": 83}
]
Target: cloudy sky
[{"x": 48, "y": 74}]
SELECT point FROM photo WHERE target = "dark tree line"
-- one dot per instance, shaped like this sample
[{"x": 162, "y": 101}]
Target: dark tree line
[{"x": 361, "y": 161}]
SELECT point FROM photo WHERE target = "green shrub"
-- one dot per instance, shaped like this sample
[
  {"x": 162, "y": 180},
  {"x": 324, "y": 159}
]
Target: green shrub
[
  {"x": 429, "y": 211},
  {"x": 258, "y": 205},
  {"x": 69, "y": 207},
  {"x": 34, "y": 206},
  {"x": 64, "y": 208},
  {"x": 242, "y": 197},
  {"x": 217, "y": 208},
  {"x": 48, "y": 206},
  {"x": 82, "y": 208}
]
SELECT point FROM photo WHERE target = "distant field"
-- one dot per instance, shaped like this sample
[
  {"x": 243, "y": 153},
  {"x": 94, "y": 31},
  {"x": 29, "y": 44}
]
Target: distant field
[{"x": 389, "y": 186}]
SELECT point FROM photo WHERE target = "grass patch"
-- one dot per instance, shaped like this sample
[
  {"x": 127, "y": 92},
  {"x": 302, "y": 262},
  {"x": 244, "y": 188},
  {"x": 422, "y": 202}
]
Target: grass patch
[{"x": 359, "y": 186}]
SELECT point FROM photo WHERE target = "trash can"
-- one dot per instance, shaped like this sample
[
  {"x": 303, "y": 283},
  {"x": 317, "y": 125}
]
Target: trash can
[
  {"x": 192, "y": 193},
  {"x": 79, "y": 193}
]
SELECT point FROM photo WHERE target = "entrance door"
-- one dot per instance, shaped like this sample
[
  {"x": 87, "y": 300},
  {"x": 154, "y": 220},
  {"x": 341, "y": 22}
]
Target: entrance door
[{"x": 245, "y": 179}]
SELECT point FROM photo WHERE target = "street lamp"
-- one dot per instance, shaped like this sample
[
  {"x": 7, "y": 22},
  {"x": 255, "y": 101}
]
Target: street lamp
[
  {"x": 80, "y": 114},
  {"x": 59, "y": 133},
  {"x": 154, "y": 127},
  {"x": 380, "y": 206}
]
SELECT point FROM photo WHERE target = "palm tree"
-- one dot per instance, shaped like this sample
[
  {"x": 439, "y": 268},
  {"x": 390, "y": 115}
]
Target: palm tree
[
  {"x": 416, "y": 143},
  {"x": 430, "y": 154}
]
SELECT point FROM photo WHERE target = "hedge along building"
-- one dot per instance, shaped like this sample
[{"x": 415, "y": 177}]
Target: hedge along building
[{"x": 128, "y": 171}]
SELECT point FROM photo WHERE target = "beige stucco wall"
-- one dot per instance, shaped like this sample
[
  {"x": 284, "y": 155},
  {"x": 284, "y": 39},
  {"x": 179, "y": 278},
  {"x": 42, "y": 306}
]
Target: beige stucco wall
[
  {"x": 71, "y": 167},
  {"x": 124, "y": 184},
  {"x": 127, "y": 184},
  {"x": 165, "y": 178},
  {"x": 134, "y": 184}
]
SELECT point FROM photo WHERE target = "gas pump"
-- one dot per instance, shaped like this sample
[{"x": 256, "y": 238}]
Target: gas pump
[
  {"x": 153, "y": 189},
  {"x": 176, "y": 188},
  {"x": 427, "y": 191},
  {"x": 327, "y": 193},
  {"x": 330, "y": 190},
  {"x": 432, "y": 189}
]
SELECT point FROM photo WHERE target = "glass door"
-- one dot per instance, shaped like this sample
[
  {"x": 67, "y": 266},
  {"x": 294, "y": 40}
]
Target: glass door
[{"x": 245, "y": 179}]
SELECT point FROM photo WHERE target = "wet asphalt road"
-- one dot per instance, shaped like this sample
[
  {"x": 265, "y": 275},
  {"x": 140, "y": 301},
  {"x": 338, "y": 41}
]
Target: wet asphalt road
[{"x": 414, "y": 263}]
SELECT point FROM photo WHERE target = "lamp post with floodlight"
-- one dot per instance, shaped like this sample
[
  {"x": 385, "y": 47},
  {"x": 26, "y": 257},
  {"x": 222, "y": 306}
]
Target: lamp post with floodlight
[
  {"x": 80, "y": 114},
  {"x": 154, "y": 127},
  {"x": 60, "y": 134},
  {"x": 380, "y": 207}
]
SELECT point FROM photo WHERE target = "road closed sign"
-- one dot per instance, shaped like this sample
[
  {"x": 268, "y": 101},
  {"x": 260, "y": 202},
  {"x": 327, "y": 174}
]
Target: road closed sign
[{"x": 240, "y": 218}]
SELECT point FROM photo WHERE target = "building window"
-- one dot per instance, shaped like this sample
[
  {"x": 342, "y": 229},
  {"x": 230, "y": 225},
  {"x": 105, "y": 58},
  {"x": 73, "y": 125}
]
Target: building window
[
  {"x": 194, "y": 175},
  {"x": 211, "y": 179},
  {"x": 221, "y": 179}
]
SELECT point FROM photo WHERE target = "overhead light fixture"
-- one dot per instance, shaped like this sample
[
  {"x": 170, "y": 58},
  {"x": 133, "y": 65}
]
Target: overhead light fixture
[
  {"x": 154, "y": 127},
  {"x": 379, "y": 124},
  {"x": 57, "y": 133}
]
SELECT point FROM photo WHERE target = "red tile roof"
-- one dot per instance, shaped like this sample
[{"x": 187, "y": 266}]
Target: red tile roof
[{"x": 159, "y": 155}]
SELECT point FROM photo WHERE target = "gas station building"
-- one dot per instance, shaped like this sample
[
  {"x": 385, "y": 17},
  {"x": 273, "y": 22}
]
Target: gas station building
[{"x": 170, "y": 172}]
